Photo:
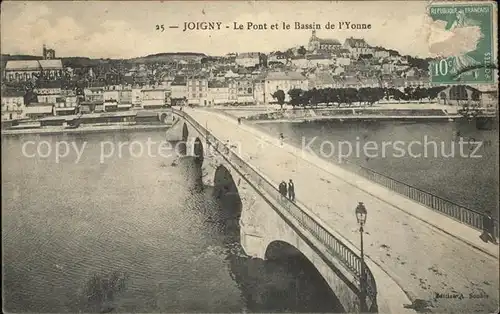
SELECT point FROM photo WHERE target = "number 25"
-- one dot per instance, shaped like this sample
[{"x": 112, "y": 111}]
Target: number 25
[{"x": 160, "y": 27}]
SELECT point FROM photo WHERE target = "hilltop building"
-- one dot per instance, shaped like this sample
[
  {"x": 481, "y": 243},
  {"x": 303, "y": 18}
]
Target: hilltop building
[
  {"x": 319, "y": 45},
  {"x": 357, "y": 47},
  {"x": 48, "y": 54},
  {"x": 248, "y": 59}
]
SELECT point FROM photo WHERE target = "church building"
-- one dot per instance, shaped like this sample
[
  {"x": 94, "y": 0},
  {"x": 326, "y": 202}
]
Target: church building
[{"x": 319, "y": 45}]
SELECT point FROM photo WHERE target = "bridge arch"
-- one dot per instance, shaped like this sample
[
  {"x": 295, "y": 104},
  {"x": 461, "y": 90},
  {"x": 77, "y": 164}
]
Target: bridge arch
[
  {"x": 198, "y": 151},
  {"x": 282, "y": 251},
  {"x": 184, "y": 139},
  {"x": 262, "y": 221},
  {"x": 185, "y": 132},
  {"x": 226, "y": 192}
]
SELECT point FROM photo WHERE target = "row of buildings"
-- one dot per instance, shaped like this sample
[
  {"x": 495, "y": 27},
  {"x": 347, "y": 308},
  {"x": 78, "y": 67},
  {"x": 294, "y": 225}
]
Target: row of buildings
[
  {"x": 244, "y": 78},
  {"x": 50, "y": 99},
  {"x": 200, "y": 89}
]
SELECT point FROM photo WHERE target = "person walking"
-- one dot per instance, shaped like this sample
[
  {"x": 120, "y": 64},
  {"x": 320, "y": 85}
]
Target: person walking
[
  {"x": 291, "y": 190},
  {"x": 488, "y": 228},
  {"x": 283, "y": 190},
  {"x": 281, "y": 140}
]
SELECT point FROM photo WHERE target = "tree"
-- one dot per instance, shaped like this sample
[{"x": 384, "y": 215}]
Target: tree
[
  {"x": 295, "y": 96},
  {"x": 279, "y": 95},
  {"x": 302, "y": 51},
  {"x": 408, "y": 93},
  {"x": 315, "y": 97},
  {"x": 351, "y": 96}
]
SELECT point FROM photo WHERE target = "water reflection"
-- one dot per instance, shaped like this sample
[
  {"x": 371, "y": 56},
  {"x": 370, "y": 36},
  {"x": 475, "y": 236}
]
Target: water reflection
[{"x": 134, "y": 234}]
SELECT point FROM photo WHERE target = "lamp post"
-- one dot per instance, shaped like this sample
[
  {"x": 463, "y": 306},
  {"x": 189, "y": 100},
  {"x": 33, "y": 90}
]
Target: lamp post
[{"x": 361, "y": 217}]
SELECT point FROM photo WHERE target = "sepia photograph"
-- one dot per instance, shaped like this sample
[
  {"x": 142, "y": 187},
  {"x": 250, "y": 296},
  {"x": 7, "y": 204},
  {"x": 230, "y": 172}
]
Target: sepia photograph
[{"x": 250, "y": 156}]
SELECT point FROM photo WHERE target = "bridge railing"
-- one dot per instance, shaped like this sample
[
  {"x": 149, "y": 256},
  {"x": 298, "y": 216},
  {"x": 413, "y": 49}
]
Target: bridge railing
[
  {"x": 336, "y": 248},
  {"x": 455, "y": 211},
  {"x": 460, "y": 213}
]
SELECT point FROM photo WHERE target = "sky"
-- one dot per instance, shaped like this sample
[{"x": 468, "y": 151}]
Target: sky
[{"x": 128, "y": 29}]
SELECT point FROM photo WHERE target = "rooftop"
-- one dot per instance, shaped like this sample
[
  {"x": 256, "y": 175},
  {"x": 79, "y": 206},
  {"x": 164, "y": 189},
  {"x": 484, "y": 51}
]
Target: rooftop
[
  {"x": 287, "y": 75},
  {"x": 248, "y": 55},
  {"x": 34, "y": 65},
  {"x": 328, "y": 41},
  {"x": 39, "y": 104},
  {"x": 323, "y": 78},
  {"x": 12, "y": 93},
  {"x": 356, "y": 42},
  {"x": 217, "y": 84},
  {"x": 49, "y": 84},
  {"x": 318, "y": 57}
]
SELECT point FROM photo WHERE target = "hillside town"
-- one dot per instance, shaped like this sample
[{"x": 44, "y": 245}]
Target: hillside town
[{"x": 320, "y": 71}]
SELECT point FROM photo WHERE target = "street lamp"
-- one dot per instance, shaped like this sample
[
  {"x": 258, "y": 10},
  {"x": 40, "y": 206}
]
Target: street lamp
[{"x": 361, "y": 217}]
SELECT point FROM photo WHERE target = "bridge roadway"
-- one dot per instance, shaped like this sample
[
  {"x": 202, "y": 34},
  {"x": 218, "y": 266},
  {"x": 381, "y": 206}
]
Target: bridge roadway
[{"x": 422, "y": 259}]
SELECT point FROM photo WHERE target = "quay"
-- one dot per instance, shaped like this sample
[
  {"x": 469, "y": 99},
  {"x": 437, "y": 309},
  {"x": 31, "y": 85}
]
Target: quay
[
  {"x": 91, "y": 123},
  {"x": 364, "y": 118}
]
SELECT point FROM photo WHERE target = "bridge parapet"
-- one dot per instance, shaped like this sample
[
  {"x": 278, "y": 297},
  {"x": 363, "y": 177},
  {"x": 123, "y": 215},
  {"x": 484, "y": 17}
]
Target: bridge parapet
[
  {"x": 336, "y": 249},
  {"x": 462, "y": 214}
]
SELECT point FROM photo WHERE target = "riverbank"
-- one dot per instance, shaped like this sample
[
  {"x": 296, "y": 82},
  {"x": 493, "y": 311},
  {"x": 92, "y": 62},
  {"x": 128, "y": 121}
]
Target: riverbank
[
  {"x": 88, "y": 129},
  {"x": 361, "y": 118}
]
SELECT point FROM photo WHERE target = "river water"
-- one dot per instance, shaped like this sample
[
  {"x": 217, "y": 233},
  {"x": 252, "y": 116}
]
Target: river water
[
  {"x": 469, "y": 178},
  {"x": 135, "y": 233}
]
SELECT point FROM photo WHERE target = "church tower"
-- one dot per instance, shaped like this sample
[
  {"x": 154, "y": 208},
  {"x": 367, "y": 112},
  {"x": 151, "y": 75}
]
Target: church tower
[
  {"x": 313, "y": 42},
  {"x": 48, "y": 53}
]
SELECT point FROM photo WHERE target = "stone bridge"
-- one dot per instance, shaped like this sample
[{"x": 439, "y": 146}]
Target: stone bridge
[
  {"x": 421, "y": 252},
  {"x": 272, "y": 227}
]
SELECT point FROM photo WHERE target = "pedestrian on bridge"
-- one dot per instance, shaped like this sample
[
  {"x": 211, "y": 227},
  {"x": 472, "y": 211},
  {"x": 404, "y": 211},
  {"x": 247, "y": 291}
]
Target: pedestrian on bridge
[
  {"x": 283, "y": 190},
  {"x": 291, "y": 190}
]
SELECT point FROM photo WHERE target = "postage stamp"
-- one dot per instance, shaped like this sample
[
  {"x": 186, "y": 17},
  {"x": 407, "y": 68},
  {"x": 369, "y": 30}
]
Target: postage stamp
[{"x": 475, "y": 64}]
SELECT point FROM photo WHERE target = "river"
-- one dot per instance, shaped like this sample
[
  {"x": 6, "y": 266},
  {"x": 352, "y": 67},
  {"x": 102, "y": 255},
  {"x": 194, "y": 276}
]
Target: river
[
  {"x": 134, "y": 233},
  {"x": 469, "y": 178}
]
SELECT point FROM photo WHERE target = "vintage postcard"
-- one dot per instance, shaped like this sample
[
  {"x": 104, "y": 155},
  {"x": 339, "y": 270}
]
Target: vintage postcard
[{"x": 250, "y": 156}]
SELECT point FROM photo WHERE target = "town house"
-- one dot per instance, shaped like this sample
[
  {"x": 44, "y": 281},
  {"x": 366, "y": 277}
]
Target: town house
[
  {"x": 12, "y": 104},
  {"x": 218, "y": 92},
  {"x": 259, "y": 92},
  {"x": 67, "y": 103},
  {"x": 197, "y": 90},
  {"x": 321, "y": 79},
  {"x": 357, "y": 47},
  {"x": 284, "y": 81},
  {"x": 48, "y": 91},
  {"x": 154, "y": 98},
  {"x": 248, "y": 59},
  {"x": 244, "y": 90},
  {"x": 178, "y": 90}
]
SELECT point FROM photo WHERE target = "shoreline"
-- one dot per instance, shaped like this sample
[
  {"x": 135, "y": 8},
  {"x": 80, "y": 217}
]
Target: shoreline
[
  {"x": 360, "y": 118},
  {"x": 87, "y": 129}
]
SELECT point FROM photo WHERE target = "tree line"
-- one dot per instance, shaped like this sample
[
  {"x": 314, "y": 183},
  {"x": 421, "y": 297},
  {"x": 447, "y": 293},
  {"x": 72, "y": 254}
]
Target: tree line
[{"x": 365, "y": 95}]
